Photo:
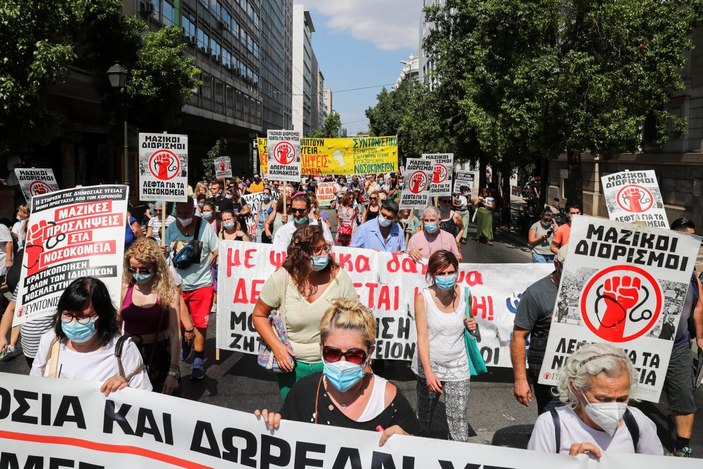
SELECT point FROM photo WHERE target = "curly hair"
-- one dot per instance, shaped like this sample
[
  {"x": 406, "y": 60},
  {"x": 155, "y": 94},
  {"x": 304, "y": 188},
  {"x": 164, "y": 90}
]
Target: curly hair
[
  {"x": 147, "y": 251},
  {"x": 299, "y": 257},
  {"x": 350, "y": 315}
]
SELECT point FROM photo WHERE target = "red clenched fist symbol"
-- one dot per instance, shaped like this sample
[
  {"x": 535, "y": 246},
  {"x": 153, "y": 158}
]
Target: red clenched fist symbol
[
  {"x": 633, "y": 197},
  {"x": 621, "y": 294},
  {"x": 417, "y": 180},
  {"x": 162, "y": 163}
]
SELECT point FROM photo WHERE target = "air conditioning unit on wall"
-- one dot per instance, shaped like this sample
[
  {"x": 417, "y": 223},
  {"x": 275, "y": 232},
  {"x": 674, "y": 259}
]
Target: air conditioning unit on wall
[{"x": 146, "y": 8}]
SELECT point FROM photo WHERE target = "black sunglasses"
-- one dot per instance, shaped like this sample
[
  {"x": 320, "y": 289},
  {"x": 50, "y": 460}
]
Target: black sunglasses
[
  {"x": 134, "y": 270},
  {"x": 298, "y": 210},
  {"x": 353, "y": 355}
]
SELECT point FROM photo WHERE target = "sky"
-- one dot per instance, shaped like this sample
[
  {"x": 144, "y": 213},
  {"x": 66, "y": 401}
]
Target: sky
[{"x": 360, "y": 43}]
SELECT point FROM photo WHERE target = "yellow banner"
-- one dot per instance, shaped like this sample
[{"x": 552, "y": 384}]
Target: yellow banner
[{"x": 354, "y": 155}]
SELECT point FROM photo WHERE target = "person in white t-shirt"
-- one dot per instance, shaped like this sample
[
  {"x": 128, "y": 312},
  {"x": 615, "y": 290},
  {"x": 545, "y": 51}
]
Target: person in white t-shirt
[
  {"x": 5, "y": 251},
  {"x": 84, "y": 339},
  {"x": 153, "y": 229},
  {"x": 596, "y": 382}
]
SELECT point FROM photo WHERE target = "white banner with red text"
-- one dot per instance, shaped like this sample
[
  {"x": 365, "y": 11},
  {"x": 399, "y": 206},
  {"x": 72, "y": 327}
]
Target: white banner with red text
[{"x": 386, "y": 283}]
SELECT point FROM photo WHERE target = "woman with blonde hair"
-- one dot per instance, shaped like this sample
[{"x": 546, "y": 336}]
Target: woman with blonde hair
[{"x": 149, "y": 313}]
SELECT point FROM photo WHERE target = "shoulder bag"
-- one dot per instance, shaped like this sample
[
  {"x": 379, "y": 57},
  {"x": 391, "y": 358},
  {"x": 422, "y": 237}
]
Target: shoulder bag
[
  {"x": 265, "y": 356},
  {"x": 476, "y": 364}
]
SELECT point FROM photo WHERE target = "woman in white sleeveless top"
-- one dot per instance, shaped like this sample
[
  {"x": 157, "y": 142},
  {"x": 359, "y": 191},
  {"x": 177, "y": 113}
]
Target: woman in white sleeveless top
[{"x": 440, "y": 361}]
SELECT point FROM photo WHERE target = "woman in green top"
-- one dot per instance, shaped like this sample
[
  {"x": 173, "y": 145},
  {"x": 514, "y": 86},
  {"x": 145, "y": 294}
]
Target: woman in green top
[{"x": 301, "y": 291}]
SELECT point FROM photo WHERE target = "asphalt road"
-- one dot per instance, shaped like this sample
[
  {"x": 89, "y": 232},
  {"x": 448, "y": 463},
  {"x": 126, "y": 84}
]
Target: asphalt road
[{"x": 235, "y": 381}]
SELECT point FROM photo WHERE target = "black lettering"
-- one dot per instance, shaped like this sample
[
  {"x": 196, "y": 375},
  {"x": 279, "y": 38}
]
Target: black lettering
[
  {"x": 282, "y": 459},
  {"x": 21, "y": 397},
  {"x": 230, "y": 451},
  {"x": 557, "y": 361},
  {"x": 5, "y": 402},
  {"x": 450, "y": 465},
  {"x": 403, "y": 328},
  {"x": 581, "y": 248},
  {"x": 204, "y": 429},
  {"x": 385, "y": 326},
  {"x": 347, "y": 455},
  {"x": 56, "y": 463},
  {"x": 385, "y": 460},
  {"x": 110, "y": 417},
  {"x": 146, "y": 424},
  {"x": 301, "y": 455},
  {"x": 70, "y": 410},
  {"x": 9, "y": 461},
  {"x": 594, "y": 231}
]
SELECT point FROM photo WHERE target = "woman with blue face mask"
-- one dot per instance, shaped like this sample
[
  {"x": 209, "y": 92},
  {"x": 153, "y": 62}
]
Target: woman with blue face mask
[
  {"x": 440, "y": 362},
  {"x": 150, "y": 313},
  {"x": 346, "y": 393},
  {"x": 83, "y": 340},
  {"x": 301, "y": 290}
]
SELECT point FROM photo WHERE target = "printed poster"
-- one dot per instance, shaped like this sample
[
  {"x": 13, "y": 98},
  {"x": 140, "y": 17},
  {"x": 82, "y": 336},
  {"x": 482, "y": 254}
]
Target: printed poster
[
  {"x": 254, "y": 201},
  {"x": 468, "y": 179},
  {"x": 634, "y": 197},
  {"x": 36, "y": 181},
  {"x": 326, "y": 192},
  {"x": 442, "y": 174},
  {"x": 72, "y": 233},
  {"x": 284, "y": 164},
  {"x": 223, "y": 167},
  {"x": 624, "y": 284},
  {"x": 418, "y": 178},
  {"x": 163, "y": 167}
]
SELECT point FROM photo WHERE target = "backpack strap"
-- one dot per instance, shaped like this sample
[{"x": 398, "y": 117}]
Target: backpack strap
[
  {"x": 54, "y": 357},
  {"x": 557, "y": 429},
  {"x": 632, "y": 427},
  {"x": 118, "y": 354}
]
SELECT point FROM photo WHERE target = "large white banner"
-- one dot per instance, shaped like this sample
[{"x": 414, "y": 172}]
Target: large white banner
[
  {"x": 72, "y": 233},
  {"x": 386, "y": 283},
  {"x": 624, "y": 284},
  {"x": 442, "y": 173},
  {"x": 64, "y": 423},
  {"x": 418, "y": 178},
  {"x": 284, "y": 160},
  {"x": 163, "y": 167},
  {"x": 36, "y": 181},
  {"x": 634, "y": 196}
]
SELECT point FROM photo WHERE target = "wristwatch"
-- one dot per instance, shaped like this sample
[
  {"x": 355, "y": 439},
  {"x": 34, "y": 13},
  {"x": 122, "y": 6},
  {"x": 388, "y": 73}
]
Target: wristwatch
[{"x": 175, "y": 374}]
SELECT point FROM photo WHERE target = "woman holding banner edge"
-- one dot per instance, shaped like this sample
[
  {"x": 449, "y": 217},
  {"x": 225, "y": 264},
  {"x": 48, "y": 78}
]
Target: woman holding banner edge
[{"x": 302, "y": 290}]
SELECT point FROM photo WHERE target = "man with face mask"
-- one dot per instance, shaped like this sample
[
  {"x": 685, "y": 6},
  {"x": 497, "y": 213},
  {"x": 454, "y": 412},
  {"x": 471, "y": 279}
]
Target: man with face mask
[
  {"x": 561, "y": 236},
  {"x": 596, "y": 381},
  {"x": 197, "y": 281},
  {"x": 383, "y": 232},
  {"x": 540, "y": 238},
  {"x": 300, "y": 210},
  {"x": 431, "y": 238},
  {"x": 534, "y": 318},
  {"x": 257, "y": 185}
]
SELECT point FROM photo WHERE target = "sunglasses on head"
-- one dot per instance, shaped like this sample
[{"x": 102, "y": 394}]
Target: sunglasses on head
[
  {"x": 134, "y": 270},
  {"x": 353, "y": 355}
]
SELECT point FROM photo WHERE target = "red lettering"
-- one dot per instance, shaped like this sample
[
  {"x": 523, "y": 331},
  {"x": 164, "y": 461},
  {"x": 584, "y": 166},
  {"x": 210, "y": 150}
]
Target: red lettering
[
  {"x": 384, "y": 300},
  {"x": 240, "y": 292},
  {"x": 277, "y": 258},
  {"x": 473, "y": 278},
  {"x": 255, "y": 290},
  {"x": 372, "y": 294},
  {"x": 363, "y": 264},
  {"x": 345, "y": 262},
  {"x": 248, "y": 256},
  {"x": 483, "y": 304},
  {"x": 393, "y": 265}
]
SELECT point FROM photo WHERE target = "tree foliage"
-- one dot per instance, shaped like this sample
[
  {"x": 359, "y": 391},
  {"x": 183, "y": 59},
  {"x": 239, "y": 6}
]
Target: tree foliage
[
  {"x": 217, "y": 150},
  {"x": 332, "y": 125}
]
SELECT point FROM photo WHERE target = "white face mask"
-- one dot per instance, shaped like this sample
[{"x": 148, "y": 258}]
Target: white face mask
[
  {"x": 185, "y": 221},
  {"x": 607, "y": 415}
]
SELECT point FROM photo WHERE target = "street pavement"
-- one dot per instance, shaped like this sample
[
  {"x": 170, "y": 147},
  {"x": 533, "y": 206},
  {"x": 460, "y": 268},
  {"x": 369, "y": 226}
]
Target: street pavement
[{"x": 237, "y": 382}]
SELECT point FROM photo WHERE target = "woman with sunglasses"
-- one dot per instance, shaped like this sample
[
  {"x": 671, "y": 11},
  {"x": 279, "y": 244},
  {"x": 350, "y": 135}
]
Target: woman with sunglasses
[
  {"x": 277, "y": 219},
  {"x": 440, "y": 361},
  {"x": 301, "y": 291},
  {"x": 82, "y": 343},
  {"x": 372, "y": 209},
  {"x": 347, "y": 393},
  {"x": 149, "y": 313}
]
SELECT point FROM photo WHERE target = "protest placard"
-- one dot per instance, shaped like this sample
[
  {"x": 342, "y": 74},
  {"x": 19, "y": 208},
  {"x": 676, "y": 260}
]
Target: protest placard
[
  {"x": 342, "y": 156},
  {"x": 36, "y": 181},
  {"x": 623, "y": 284},
  {"x": 254, "y": 201},
  {"x": 284, "y": 162},
  {"x": 418, "y": 178},
  {"x": 326, "y": 192},
  {"x": 163, "y": 167},
  {"x": 634, "y": 196},
  {"x": 71, "y": 233},
  {"x": 468, "y": 179},
  {"x": 223, "y": 167},
  {"x": 386, "y": 283},
  {"x": 442, "y": 173}
]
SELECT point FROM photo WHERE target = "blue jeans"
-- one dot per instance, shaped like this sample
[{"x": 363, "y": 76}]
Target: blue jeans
[{"x": 542, "y": 258}]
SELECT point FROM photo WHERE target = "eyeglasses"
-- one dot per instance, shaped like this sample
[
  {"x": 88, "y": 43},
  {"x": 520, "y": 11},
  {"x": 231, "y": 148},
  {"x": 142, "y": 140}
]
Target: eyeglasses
[
  {"x": 298, "y": 210},
  {"x": 134, "y": 270},
  {"x": 67, "y": 317},
  {"x": 574, "y": 213},
  {"x": 353, "y": 355},
  {"x": 373, "y": 198},
  {"x": 322, "y": 250}
]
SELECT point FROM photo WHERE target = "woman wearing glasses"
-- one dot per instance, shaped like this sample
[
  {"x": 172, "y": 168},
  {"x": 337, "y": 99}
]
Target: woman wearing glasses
[
  {"x": 372, "y": 210},
  {"x": 82, "y": 343},
  {"x": 149, "y": 313},
  {"x": 347, "y": 393},
  {"x": 301, "y": 291}
]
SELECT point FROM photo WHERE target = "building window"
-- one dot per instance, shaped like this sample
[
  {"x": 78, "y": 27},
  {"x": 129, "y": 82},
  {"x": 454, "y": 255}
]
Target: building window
[
  {"x": 203, "y": 40},
  {"x": 206, "y": 89},
  {"x": 188, "y": 26},
  {"x": 169, "y": 15}
]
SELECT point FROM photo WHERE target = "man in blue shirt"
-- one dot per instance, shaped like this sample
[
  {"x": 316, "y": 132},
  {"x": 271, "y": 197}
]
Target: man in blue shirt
[{"x": 383, "y": 232}]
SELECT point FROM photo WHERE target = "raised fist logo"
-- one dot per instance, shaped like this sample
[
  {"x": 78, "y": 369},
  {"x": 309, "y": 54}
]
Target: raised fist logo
[
  {"x": 284, "y": 153},
  {"x": 164, "y": 165},
  {"x": 635, "y": 199},
  {"x": 418, "y": 182},
  {"x": 621, "y": 303}
]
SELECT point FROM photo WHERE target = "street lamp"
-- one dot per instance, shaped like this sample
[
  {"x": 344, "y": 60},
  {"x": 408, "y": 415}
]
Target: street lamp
[{"x": 117, "y": 75}]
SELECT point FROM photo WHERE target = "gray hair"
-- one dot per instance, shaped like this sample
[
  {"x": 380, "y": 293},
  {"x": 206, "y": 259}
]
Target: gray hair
[
  {"x": 430, "y": 210},
  {"x": 589, "y": 361}
]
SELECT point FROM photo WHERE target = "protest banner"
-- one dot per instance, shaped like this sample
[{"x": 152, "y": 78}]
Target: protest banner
[
  {"x": 284, "y": 164},
  {"x": 36, "y": 181},
  {"x": 634, "y": 196},
  {"x": 386, "y": 283},
  {"x": 262, "y": 147},
  {"x": 418, "y": 177},
  {"x": 468, "y": 179},
  {"x": 342, "y": 156},
  {"x": 623, "y": 284},
  {"x": 325, "y": 192},
  {"x": 163, "y": 167},
  {"x": 71, "y": 233},
  {"x": 442, "y": 174},
  {"x": 223, "y": 167},
  {"x": 254, "y": 201}
]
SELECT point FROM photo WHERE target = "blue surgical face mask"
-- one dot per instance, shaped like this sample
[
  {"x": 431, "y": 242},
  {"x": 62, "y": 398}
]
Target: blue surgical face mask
[
  {"x": 228, "y": 225},
  {"x": 266, "y": 199},
  {"x": 207, "y": 215},
  {"x": 142, "y": 278},
  {"x": 300, "y": 221},
  {"x": 384, "y": 222},
  {"x": 445, "y": 282},
  {"x": 343, "y": 375},
  {"x": 430, "y": 227},
  {"x": 77, "y": 332},
  {"x": 320, "y": 262}
]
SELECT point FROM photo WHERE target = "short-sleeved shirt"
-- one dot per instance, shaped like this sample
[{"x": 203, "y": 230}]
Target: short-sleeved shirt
[
  {"x": 155, "y": 225},
  {"x": 574, "y": 430},
  {"x": 283, "y": 236},
  {"x": 542, "y": 248},
  {"x": 369, "y": 236},
  {"x": 534, "y": 313},
  {"x": 256, "y": 187},
  {"x": 561, "y": 237},
  {"x": 427, "y": 247},
  {"x": 303, "y": 318},
  {"x": 5, "y": 237},
  {"x": 197, "y": 275}
]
